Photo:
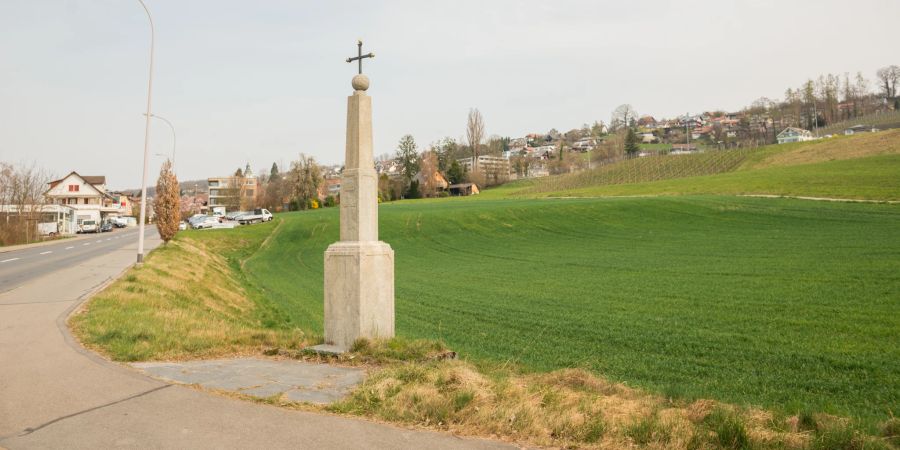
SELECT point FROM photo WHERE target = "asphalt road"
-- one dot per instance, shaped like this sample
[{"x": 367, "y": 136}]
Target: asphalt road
[{"x": 18, "y": 267}]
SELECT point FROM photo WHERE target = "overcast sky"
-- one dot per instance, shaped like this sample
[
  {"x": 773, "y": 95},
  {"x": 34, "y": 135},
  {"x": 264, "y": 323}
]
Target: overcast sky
[{"x": 262, "y": 81}]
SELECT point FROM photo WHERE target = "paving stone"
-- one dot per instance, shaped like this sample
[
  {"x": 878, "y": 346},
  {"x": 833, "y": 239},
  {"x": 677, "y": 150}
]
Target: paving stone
[{"x": 298, "y": 381}]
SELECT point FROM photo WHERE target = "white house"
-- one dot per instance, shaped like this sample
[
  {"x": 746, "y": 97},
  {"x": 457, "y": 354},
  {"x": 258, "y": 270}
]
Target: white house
[
  {"x": 791, "y": 134},
  {"x": 87, "y": 197}
]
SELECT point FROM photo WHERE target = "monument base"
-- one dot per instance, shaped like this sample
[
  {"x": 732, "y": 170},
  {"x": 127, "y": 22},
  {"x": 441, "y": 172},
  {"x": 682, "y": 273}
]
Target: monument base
[{"x": 359, "y": 293}]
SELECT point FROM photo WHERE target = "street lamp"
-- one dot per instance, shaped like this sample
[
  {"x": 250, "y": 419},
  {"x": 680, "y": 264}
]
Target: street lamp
[
  {"x": 140, "y": 252},
  {"x": 174, "y": 138}
]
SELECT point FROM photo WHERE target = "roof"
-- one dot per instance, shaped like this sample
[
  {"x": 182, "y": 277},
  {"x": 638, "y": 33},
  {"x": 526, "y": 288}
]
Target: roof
[
  {"x": 794, "y": 129},
  {"x": 460, "y": 185},
  {"x": 90, "y": 179}
]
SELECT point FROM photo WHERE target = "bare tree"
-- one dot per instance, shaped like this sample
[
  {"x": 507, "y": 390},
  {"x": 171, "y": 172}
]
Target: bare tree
[
  {"x": 428, "y": 168},
  {"x": 475, "y": 134},
  {"x": 167, "y": 204},
  {"x": 21, "y": 202},
  {"x": 305, "y": 178},
  {"x": 622, "y": 117},
  {"x": 408, "y": 157},
  {"x": 889, "y": 76}
]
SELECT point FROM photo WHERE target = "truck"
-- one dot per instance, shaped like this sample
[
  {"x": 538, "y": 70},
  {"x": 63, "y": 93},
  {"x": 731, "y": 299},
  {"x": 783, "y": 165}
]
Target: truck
[{"x": 258, "y": 215}]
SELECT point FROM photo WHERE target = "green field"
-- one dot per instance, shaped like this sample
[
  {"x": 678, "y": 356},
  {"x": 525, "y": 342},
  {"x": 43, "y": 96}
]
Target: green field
[{"x": 785, "y": 304}]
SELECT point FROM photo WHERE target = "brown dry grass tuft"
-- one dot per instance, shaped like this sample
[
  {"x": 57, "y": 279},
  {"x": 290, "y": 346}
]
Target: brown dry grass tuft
[{"x": 565, "y": 408}]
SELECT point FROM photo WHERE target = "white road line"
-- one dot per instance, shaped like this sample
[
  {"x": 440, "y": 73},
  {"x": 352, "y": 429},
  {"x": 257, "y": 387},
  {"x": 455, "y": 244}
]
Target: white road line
[
  {"x": 86, "y": 243},
  {"x": 8, "y": 260},
  {"x": 47, "y": 252},
  {"x": 99, "y": 241},
  {"x": 69, "y": 248},
  {"x": 108, "y": 239}
]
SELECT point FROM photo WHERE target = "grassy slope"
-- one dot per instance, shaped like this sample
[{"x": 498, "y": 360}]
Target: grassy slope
[
  {"x": 780, "y": 303},
  {"x": 188, "y": 300},
  {"x": 858, "y": 167}
]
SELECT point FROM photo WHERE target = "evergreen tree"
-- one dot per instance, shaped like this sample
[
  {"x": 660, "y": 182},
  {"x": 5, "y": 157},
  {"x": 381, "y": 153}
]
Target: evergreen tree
[
  {"x": 273, "y": 174},
  {"x": 456, "y": 173},
  {"x": 631, "y": 142}
]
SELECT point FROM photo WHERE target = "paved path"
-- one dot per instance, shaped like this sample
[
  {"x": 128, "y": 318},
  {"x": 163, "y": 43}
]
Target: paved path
[
  {"x": 54, "y": 394},
  {"x": 296, "y": 381}
]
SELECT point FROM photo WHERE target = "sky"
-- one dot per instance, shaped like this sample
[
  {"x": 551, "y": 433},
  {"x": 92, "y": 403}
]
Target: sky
[{"x": 262, "y": 81}]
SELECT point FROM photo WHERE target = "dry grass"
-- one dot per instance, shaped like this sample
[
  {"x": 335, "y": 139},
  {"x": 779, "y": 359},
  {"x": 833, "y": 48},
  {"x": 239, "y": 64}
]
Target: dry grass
[{"x": 565, "y": 408}]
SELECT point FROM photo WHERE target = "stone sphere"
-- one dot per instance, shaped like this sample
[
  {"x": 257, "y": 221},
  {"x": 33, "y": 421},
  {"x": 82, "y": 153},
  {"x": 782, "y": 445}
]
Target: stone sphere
[{"x": 360, "y": 82}]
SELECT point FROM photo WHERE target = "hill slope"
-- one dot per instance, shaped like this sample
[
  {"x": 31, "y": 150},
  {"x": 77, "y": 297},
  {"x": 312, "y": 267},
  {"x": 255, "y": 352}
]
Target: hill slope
[{"x": 855, "y": 167}]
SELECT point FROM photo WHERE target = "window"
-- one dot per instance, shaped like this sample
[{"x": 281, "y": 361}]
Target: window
[
  {"x": 74, "y": 187},
  {"x": 213, "y": 184},
  {"x": 248, "y": 193}
]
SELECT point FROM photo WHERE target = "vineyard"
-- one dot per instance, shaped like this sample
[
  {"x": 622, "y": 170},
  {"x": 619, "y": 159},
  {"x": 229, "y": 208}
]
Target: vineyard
[{"x": 652, "y": 167}]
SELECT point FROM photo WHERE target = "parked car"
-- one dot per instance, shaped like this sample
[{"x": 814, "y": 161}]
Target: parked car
[
  {"x": 107, "y": 226},
  {"x": 205, "y": 222},
  {"x": 258, "y": 215},
  {"x": 88, "y": 226},
  {"x": 182, "y": 225}
]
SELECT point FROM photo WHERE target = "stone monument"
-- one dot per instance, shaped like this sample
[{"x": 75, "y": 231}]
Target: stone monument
[{"x": 359, "y": 269}]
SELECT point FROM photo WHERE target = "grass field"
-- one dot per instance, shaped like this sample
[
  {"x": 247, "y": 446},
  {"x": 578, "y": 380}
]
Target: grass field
[{"x": 780, "y": 303}]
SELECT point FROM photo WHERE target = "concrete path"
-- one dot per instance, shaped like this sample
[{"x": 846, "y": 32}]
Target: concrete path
[
  {"x": 54, "y": 394},
  {"x": 295, "y": 381}
]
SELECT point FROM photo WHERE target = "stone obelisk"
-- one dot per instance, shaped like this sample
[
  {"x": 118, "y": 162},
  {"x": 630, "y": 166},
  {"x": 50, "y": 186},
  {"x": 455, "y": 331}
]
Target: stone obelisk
[{"x": 359, "y": 269}]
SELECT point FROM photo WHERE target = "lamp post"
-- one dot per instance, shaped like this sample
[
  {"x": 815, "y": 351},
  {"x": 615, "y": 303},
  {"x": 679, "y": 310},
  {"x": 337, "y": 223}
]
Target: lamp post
[
  {"x": 140, "y": 252},
  {"x": 174, "y": 137}
]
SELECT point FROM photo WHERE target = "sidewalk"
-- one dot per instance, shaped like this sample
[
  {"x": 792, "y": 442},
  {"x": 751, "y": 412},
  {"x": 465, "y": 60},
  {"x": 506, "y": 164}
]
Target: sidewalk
[{"x": 55, "y": 394}]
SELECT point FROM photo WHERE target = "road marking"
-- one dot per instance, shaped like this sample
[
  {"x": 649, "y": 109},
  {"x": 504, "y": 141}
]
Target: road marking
[
  {"x": 86, "y": 243},
  {"x": 47, "y": 252},
  {"x": 99, "y": 241},
  {"x": 8, "y": 260},
  {"x": 69, "y": 248},
  {"x": 108, "y": 239}
]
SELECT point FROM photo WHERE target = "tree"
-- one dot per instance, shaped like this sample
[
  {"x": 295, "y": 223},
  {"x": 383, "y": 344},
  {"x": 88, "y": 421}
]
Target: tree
[
  {"x": 428, "y": 167},
  {"x": 22, "y": 188},
  {"x": 408, "y": 157},
  {"x": 274, "y": 190},
  {"x": 167, "y": 204},
  {"x": 305, "y": 178},
  {"x": 889, "y": 77},
  {"x": 273, "y": 172},
  {"x": 456, "y": 173},
  {"x": 631, "y": 142},
  {"x": 475, "y": 134},
  {"x": 239, "y": 173},
  {"x": 623, "y": 116}
]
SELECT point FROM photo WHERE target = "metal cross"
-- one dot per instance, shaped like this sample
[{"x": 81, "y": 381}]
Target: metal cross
[{"x": 360, "y": 56}]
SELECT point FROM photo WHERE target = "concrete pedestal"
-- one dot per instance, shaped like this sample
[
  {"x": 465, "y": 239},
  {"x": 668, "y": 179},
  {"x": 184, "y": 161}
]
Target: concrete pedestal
[{"x": 359, "y": 293}]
